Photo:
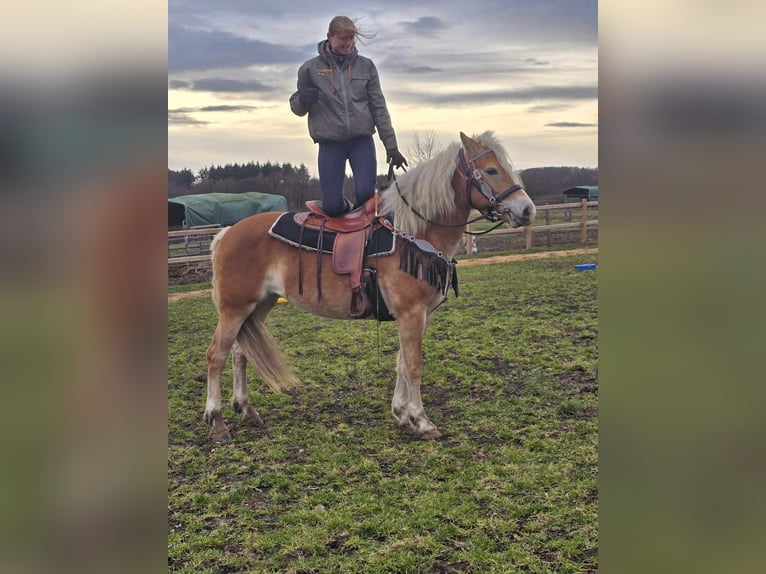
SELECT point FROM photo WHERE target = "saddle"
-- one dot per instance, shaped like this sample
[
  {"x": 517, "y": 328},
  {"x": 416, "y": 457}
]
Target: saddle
[{"x": 353, "y": 230}]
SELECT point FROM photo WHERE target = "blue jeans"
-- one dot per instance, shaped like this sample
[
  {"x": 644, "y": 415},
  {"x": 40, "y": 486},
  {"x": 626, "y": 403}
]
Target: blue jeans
[{"x": 360, "y": 153}]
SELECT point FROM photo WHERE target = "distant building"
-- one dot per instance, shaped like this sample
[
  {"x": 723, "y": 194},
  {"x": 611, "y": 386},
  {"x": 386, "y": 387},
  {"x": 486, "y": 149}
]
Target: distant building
[
  {"x": 578, "y": 193},
  {"x": 187, "y": 211}
]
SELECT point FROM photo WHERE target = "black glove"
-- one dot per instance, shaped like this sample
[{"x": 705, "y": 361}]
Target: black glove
[
  {"x": 395, "y": 158},
  {"x": 308, "y": 96}
]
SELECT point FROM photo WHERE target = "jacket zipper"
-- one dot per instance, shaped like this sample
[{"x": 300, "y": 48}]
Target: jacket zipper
[{"x": 345, "y": 97}]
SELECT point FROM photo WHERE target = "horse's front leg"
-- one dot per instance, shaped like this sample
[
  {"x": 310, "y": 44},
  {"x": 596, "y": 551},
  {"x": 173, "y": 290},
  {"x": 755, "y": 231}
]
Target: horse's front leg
[{"x": 407, "y": 406}]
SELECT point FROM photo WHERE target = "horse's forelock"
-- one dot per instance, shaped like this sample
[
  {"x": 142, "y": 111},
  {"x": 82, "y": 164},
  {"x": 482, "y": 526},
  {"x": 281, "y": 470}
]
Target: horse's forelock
[{"x": 488, "y": 140}]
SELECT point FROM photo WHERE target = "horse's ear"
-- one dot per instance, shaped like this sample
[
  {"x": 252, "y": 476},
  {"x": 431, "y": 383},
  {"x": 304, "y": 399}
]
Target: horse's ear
[{"x": 471, "y": 146}]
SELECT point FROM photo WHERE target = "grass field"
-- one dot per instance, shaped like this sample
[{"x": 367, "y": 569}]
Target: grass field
[{"x": 330, "y": 485}]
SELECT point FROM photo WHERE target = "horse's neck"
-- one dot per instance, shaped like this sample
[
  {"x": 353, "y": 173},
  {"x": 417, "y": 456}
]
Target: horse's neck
[{"x": 446, "y": 239}]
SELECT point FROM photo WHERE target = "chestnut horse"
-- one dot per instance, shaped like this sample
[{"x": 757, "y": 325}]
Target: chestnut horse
[{"x": 431, "y": 202}]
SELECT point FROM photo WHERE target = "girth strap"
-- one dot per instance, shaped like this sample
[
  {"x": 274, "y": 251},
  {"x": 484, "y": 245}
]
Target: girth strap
[
  {"x": 300, "y": 260},
  {"x": 319, "y": 260}
]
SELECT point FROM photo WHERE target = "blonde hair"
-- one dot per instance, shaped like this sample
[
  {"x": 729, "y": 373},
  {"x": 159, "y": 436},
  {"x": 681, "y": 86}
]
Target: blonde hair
[{"x": 346, "y": 24}]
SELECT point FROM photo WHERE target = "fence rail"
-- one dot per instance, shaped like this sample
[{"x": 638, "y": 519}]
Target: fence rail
[
  {"x": 191, "y": 245},
  {"x": 182, "y": 238},
  {"x": 546, "y": 210}
]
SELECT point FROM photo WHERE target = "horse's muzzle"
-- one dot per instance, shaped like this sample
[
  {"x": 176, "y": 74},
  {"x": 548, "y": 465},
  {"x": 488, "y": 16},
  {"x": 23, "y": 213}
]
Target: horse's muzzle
[{"x": 520, "y": 217}]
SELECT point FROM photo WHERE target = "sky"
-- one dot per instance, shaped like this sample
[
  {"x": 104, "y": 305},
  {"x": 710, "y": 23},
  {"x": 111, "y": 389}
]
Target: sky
[{"x": 526, "y": 69}]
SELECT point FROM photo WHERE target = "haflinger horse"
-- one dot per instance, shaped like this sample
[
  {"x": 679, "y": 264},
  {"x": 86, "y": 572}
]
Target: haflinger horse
[{"x": 426, "y": 209}]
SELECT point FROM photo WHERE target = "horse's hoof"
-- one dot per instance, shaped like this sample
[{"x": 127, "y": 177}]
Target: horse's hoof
[
  {"x": 219, "y": 432},
  {"x": 252, "y": 418},
  {"x": 415, "y": 432},
  {"x": 220, "y": 437},
  {"x": 432, "y": 434}
]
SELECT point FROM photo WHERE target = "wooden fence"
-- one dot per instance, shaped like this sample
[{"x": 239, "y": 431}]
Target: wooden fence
[
  {"x": 187, "y": 241},
  {"x": 191, "y": 245},
  {"x": 545, "y": 211}
]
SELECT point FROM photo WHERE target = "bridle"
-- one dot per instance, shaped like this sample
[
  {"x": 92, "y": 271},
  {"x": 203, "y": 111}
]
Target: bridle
[
  {"x": 472, "y": 175},
  {"x": 473, "y": 178}
]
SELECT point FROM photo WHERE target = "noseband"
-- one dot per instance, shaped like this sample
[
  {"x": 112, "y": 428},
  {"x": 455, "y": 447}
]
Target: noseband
[{"x": 473, "y": 178}]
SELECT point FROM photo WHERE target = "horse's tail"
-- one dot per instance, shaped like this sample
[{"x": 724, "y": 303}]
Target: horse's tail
[
  {"x": 263, "y": 354},
  {"x": 213, "y": 246}
]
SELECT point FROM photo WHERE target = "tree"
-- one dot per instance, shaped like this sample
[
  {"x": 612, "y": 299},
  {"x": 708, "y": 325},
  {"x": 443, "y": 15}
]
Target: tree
[
  {"x": 423, "y": 147},
  {"x": 179, "y": 182}
]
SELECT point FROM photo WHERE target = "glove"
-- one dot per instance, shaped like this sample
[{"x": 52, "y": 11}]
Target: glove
[
  {"x": 308, "y": 96},
  {"x": 395, "y": 158}
]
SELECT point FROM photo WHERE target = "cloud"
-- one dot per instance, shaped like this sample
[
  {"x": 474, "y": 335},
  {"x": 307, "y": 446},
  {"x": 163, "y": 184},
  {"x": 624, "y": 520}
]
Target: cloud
[
  {"x": 220, "y": 85},
  {"x": 424, "y": 26},
  {"x": 226, "y": 108},
  {"x": 182, "y": 116},
  {"x": 195, "y": 50},
  {"x": 226, "y": 85},
  {"x": 531, "y": 94},
  {"x": 403, "y": 68},
  {"x": 570, "y": 125},
  {"x": 549, "y": 107}
]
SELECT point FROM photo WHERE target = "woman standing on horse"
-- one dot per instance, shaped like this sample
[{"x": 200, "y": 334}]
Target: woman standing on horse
[{"x": 340, "y": 91}]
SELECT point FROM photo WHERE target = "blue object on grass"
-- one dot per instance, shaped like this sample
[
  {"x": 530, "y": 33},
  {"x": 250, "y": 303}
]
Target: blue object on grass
[{"x": 584, "y": 266}]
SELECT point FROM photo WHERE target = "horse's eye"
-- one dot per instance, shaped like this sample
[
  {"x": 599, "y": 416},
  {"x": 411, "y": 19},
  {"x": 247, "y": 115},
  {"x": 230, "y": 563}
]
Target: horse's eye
[{"x": 491, "y": 171}]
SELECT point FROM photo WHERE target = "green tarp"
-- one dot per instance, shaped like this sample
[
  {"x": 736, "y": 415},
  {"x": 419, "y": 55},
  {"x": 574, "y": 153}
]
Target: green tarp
[{"x": 221, "y": 208}]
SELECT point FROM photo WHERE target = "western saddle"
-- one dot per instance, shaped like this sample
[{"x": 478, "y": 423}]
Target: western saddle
[{"x": 353, "y": 230}]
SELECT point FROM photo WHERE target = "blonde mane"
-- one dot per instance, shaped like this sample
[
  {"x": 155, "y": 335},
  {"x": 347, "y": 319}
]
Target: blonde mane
[{"x": 428, "y": 187}]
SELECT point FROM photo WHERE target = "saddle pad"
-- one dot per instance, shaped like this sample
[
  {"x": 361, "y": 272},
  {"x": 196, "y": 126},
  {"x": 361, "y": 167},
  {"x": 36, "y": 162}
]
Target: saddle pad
[{"x": 285, "y": 229}]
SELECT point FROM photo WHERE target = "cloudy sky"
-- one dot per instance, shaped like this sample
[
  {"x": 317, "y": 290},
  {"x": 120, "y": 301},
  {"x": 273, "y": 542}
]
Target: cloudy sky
[{"x": 527, "y": 69}]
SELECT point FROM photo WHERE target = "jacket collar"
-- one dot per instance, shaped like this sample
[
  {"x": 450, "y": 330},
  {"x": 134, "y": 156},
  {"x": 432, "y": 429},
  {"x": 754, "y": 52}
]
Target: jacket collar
[{"x": 323, "y": 48}]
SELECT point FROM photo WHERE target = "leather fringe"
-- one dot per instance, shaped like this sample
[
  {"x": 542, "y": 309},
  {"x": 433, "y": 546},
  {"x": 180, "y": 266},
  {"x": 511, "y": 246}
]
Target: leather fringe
[{"x": 428, "y": 265}]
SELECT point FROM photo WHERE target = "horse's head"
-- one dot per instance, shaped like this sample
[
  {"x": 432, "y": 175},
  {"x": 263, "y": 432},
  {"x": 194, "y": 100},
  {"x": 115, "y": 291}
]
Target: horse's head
[{"x": 490, "y": 185}]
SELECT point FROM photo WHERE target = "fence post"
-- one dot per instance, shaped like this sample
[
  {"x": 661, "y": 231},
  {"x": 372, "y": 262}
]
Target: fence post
[
  {"x": 584, "y": 221},
  {"x": 528, "y": 235},
  {"x": 548, "y": 222},
  {"x": 468, "y": 242}
]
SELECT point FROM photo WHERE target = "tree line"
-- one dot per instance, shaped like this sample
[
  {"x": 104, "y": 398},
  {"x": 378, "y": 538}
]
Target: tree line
[{"x": 543, "y": 184}]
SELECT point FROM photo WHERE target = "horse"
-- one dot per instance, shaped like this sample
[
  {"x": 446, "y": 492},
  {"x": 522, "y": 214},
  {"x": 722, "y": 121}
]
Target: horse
[{"x": 426, "y": 208}]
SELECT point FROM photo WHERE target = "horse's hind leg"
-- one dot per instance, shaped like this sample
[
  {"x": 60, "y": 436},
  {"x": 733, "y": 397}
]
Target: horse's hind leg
[
  {"x": 217, "y": 353},
  {"x": 240, "y": 402}
]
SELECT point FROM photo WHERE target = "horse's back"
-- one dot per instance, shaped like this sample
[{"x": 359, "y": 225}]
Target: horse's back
[{"x": 244, "y": 236}]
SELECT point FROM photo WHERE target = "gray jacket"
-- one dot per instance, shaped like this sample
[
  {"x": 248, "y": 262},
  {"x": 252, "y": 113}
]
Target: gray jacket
[{"x": 351, "y": 103}]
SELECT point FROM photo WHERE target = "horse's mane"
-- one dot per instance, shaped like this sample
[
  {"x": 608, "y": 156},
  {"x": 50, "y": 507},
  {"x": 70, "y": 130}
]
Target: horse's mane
[{"x": 428, "y": 187}]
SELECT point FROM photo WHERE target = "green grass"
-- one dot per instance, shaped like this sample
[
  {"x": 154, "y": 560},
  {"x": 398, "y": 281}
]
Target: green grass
[
  {"x": 330, "y": 485},
  {"x": 189, "y": 287}
]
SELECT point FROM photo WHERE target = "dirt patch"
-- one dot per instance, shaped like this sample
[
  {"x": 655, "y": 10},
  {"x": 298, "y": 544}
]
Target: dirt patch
[
  {"x": 526, "y": 256},
  {"x": 186, "y": 274},
  {"x": 178, "y": 296}
]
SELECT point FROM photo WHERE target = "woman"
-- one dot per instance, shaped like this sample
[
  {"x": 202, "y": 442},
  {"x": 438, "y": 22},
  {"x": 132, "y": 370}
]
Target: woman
[{"x": 340, "y": 91}]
